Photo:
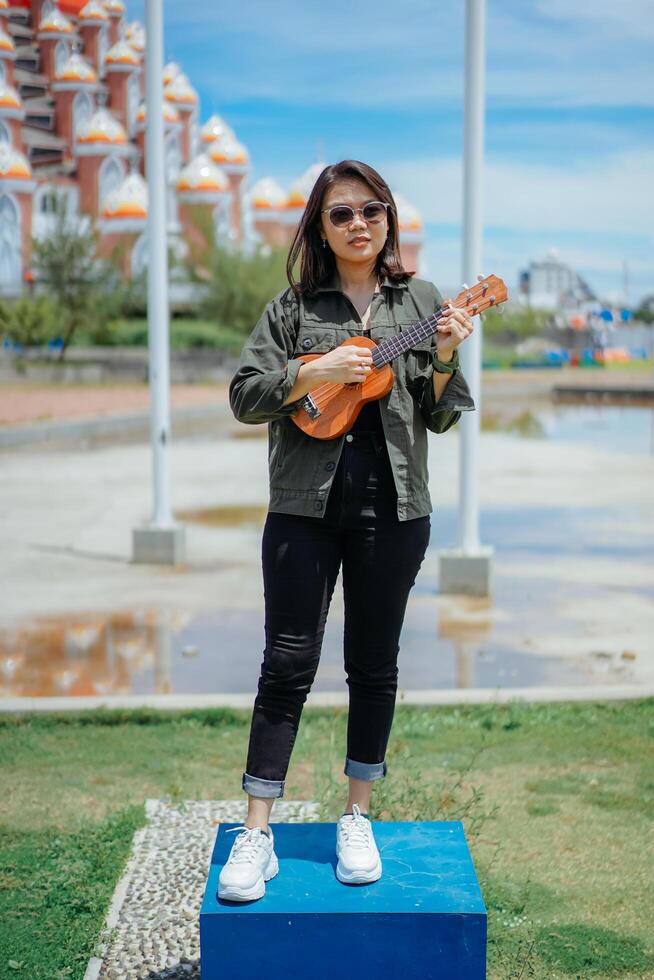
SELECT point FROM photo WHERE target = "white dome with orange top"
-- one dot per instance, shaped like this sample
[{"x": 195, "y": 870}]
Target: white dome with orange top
[
  {"x": 135, "y": 36},
  {"x": 180, "y": 92},
  {"x": 75, "y": 73},
  {"x": 101, "y": 134},
  {"x": 93, "y": 12},
  {"x": 229, "y": 153},
  {"x": 214, "y": 128},
  {"x": 7, "y": 47},
  {"x": 267, "y": 199},
  {"x": 11, "y": 105},
  {"x": 121, "y": 56},
  {"x": 410, "y": 222},
  {"x": 55, "y": 25},
  {"x": 170, "y": 115},
  {"x": 15, "y": 170},
  {"x": 300, "y": 190},
  {"x": 170, "y": 72},
  {"x": 202, "y": 182},
  {"x": 125, "y": 209}
]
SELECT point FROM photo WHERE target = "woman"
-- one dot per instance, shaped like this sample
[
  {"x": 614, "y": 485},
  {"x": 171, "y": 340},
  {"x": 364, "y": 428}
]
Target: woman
[{"x": 360, "y": 501}]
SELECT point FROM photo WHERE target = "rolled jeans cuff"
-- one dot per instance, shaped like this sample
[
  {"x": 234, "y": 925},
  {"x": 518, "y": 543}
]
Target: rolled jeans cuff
[
  {"x": 364, "y": 770},
  {"x": 256, "y": 786}
]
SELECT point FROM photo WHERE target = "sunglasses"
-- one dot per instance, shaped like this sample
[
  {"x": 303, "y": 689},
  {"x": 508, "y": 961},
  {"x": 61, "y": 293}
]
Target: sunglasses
[{"x": 342, "y": 214}]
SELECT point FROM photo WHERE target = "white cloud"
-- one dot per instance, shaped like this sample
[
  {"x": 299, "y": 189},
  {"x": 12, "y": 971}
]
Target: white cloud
[
  {"x": 605, "y": 207},
  {"x": 364, "y": 54},
  {"x": 612, "y": 195},
  {"x": 628, "y": 19}
]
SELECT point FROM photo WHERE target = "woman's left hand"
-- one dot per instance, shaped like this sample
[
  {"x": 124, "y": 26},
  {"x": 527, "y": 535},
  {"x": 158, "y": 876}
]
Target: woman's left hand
[{"x": 453, "y": 326}]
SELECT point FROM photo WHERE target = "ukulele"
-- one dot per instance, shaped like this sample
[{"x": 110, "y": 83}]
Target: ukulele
[{"x": 331, "y": 408}]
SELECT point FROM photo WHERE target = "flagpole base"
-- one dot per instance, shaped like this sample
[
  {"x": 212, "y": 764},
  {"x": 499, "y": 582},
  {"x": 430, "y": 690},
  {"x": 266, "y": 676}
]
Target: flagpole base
[
  {"x": 152, "y": 545},
  {"x": 466, "y": 572}
]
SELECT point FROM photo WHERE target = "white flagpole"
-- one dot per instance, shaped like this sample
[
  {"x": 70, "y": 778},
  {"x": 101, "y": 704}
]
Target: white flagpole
[
  {"x": 468, "y": 567},
  {"x": 162, "y": 540}
]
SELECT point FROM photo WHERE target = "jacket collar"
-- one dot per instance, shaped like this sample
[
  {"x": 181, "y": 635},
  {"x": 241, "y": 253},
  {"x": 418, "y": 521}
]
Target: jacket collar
[{"x": 334, "y": 283}]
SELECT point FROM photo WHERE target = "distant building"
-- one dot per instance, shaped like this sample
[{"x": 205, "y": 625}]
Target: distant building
[
  {"x": 551, "y": 284},
  {"x": 72, "y": 121}
]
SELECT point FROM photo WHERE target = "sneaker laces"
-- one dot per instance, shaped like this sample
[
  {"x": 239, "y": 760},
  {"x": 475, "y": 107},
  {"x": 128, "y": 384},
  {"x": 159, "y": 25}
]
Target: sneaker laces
[
  {"x": 357, "y": 829},
  {"x": 246, "y": 845}
]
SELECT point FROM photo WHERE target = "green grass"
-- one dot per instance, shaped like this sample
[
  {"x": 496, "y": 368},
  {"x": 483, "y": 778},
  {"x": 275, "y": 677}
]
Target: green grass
[
  {"x": 186, "y": 333},
  {"x": 645, "y": 365},
  {"x": 557, "y": 802}
]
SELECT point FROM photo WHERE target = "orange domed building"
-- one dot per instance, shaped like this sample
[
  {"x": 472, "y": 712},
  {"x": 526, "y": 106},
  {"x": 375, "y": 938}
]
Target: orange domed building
[{"x": 72, "y": 121}]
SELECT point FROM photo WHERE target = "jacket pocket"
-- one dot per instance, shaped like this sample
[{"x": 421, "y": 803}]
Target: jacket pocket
[
  {"x": 314, "y": 340},
  {"x": 418, "y": 359}
]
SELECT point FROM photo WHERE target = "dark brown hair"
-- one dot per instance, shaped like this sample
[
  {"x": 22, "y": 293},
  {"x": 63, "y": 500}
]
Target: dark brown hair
[{"x": 317, "y": 264}]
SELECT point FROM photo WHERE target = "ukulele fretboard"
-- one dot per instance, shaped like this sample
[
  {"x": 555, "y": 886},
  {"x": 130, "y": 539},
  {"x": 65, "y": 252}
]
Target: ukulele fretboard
[{"x": 392, "y": 347}]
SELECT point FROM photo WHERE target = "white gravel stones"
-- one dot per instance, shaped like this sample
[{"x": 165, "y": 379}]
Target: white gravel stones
[{"x": 153, "y": 925}]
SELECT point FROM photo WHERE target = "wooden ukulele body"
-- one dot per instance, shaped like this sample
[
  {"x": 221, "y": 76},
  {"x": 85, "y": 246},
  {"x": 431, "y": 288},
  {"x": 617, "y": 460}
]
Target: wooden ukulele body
[{"x": 339, "y": 403}]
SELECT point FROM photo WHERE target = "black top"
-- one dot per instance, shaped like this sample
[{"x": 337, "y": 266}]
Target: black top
[
  {"x": 363, "y": 486},
  {"x": 369, "y": 419}
]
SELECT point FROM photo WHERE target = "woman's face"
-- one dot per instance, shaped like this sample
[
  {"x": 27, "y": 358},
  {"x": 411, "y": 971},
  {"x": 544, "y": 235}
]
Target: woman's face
[{"x": 359, "y": 241}]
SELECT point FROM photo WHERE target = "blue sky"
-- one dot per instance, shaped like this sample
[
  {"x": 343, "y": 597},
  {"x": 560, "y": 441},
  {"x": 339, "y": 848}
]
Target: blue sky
[{"x": 569, "y": 124}]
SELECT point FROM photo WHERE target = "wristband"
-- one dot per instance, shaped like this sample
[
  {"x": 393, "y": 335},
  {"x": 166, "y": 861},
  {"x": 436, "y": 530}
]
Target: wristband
[{"x": 446, "y": 367}]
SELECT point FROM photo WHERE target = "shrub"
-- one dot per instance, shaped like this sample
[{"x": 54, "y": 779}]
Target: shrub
[
  {"x": 239, "y": 285},
  {"x": 30, "y": 321},
  {"x": 509, "y": 326}
]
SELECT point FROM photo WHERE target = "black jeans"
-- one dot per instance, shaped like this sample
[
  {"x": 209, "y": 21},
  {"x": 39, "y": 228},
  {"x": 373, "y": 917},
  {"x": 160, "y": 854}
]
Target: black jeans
[{"x": 301, "y": 558}]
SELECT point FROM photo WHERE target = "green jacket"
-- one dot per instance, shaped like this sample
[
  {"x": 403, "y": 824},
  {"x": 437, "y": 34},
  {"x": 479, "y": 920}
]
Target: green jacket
[{"x": 301, "y": 468}]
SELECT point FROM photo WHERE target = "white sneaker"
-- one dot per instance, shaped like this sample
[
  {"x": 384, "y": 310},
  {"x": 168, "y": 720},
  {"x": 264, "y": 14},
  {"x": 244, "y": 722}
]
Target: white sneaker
[
  {"x": 251, "y": 863},
  {"x": 358, "y": 857}
]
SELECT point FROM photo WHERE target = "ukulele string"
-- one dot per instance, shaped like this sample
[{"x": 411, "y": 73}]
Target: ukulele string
[
  {"x": 320, "y": 394},
  {"x": 324, "y": 391}
]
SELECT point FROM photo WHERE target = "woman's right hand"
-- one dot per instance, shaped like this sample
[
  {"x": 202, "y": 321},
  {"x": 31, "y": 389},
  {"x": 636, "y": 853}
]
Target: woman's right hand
[{"x": 348, "y": 364}]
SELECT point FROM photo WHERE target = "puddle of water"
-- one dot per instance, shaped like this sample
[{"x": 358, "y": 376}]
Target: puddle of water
[
  {"x": 623, "y": 428},
  {"x": 148, "y": 652},
  {"x": 79, "y": 655},
  {"x": 225, "y": 516},
  {"x": 447, "y": 641}
]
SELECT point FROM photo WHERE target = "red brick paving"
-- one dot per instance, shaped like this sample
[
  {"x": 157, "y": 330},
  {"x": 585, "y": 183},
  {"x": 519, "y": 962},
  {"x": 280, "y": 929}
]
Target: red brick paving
[{"x": 31, "y": 403}]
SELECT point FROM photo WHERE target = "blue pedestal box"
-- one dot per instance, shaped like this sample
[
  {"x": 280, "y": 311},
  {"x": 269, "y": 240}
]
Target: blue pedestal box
[{"x": 424, "y": 918}]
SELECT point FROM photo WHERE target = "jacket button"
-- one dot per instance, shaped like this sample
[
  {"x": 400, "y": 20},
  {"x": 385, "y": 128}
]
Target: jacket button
[
  {"x": 307, "y": 343},
  {"x": 318, "y": 505},
  {"x": 349, "y": 438},
  {"x": 330, "y": 466}
]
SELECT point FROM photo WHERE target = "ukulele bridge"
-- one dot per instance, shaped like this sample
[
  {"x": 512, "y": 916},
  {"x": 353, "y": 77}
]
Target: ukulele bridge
[{"x": 311, "y": 408}]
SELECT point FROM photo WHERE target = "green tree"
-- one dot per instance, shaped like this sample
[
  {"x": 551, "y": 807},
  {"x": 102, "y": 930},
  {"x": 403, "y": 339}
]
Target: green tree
[
  {"x": 644, "y": 314},
  {"x": 67, "y": 267}
]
